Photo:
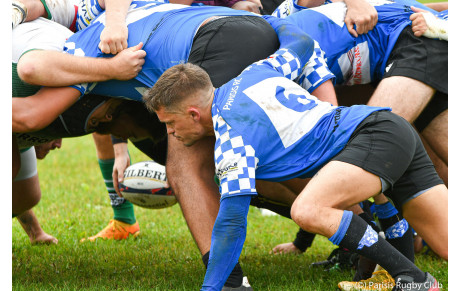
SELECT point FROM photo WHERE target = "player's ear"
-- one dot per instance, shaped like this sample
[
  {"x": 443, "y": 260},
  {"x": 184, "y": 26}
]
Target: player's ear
[{"x": 194, "y": 113}]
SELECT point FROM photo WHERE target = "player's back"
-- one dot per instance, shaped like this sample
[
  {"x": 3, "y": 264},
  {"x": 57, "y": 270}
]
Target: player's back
[
  {"x": 167, "y": 32},
  {"x": 292, "y": 133}
]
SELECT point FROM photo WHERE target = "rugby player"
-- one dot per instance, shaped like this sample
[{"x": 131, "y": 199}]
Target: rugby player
[{"x": 354, "y": 153}]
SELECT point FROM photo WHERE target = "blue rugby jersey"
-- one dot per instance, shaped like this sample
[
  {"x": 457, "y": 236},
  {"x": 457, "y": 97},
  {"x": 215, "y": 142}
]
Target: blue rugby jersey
[
  {"x": 353, "y": 60},
  {"x": 267, "y": 127},
  {"x": 167, "y": 31}
]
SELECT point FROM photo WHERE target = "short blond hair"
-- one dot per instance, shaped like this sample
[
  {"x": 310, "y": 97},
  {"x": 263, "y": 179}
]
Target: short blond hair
[{"x": 175, "y": 85}]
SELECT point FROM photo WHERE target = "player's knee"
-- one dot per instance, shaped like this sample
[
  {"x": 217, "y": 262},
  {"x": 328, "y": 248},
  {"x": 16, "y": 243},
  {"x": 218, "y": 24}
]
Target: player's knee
[{"x": 304, "y": 215}]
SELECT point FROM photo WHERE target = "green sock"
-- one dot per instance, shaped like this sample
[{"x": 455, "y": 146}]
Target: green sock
[{"x": 123, "y": 210}]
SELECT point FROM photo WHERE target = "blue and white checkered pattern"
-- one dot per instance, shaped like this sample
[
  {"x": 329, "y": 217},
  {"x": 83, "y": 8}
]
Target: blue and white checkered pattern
[
  {"x": 88, "y": 10},
  {"x": 315, "y": 71},
  {"x": 235, "y": 162},
  {"x": 369, "y": 238},
  {"x": 286, "y": 62},
  {"x": 397, "y": 230}
]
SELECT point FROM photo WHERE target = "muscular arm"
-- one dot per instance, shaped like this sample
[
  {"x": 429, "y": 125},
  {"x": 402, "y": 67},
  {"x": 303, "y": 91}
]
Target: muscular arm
[
  {"x": 438, "y": 6},
  {"x": 38, "y": 111},
  {"x": 227, "y": 240},
  {"x": 326, "y": 92},
  {"x": 34, "y": 67},
  {"x": 114, "y": 37}
]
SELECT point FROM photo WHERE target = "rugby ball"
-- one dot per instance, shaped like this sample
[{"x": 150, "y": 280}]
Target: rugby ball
[{"x": 144, "y": 185}]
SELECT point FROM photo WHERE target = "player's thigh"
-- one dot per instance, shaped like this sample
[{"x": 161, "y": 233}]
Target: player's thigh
[
  {"x": 339, "y": 185},
  {"x": 275, "y": 191},
  {"x": 25, "y": 195},
  {"x": 26, "y": 188},
  {"x": 407, "y": 97},
  {"x": 16, "y": 158},
  {"x": 428, "y": 215},
  {"x": 436, "y": 135}
]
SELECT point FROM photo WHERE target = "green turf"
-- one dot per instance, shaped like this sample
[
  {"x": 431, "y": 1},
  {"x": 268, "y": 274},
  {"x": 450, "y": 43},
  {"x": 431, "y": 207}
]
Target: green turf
[{"x": 75, "y": 204}]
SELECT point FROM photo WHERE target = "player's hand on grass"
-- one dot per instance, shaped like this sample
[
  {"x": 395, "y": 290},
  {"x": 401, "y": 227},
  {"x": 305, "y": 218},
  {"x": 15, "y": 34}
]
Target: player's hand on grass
[
  {"x": 114, "y": 38},
  {"x": 43, "y": 238},
  {"x": 286, "y": 248},
  {"x": 128, "y": 63},
  {"x": 361, "y": 14},
  {"x": 122, "y": 162}
]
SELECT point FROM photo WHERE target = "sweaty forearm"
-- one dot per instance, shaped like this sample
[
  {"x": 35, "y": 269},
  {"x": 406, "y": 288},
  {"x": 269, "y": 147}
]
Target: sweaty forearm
[{"x": 54, "y": 69}]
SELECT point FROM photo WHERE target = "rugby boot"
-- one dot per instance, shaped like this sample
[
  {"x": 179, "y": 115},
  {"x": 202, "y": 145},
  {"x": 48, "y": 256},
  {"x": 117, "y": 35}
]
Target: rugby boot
[
  {"x": 244, "y": 286},
  {"x": 380, "y": 281},
  {"x": 116, "y": 230}
]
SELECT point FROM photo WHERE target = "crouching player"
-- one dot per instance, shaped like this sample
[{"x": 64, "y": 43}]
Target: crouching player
[{"x": 269, "y": 128}]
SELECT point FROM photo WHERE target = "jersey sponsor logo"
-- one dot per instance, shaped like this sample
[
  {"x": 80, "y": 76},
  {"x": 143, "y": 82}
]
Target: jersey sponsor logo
[
  {"x": 226, "y": 170},
  {"x": 291, "y": 124},
  {"x": 231, "y": 96},
  {"x": 28, "y": 140},
  {"x": 355, "y": 65}
]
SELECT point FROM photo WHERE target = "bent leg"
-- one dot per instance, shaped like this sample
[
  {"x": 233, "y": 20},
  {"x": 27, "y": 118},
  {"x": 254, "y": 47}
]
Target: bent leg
[
  {"x": 319, "y": 208},
  {"x": 436, "y": 134},
  {"x": 26, "y": 194},
  {"x": 428, "y": 215},
  {"x": 16, "y": 158}
]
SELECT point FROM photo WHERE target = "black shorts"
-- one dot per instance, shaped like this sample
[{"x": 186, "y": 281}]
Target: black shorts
[
  {"x": 386, "y": 145},
  {"x": 224, "y": 47},
  {"x": 420, "y": 58}
]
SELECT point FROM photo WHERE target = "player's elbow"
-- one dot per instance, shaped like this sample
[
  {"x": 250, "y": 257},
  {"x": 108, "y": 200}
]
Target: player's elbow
[
  {"x": 24, "y": 122},
  {"x": 27, "y": 72},
  {"x": 27, "y": 69}
]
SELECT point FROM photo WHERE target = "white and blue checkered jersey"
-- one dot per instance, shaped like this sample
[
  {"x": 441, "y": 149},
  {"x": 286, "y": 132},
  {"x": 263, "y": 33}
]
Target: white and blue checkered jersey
[
  {"x": 268, "y": 127},
  {"x": 167, "y": 31}
]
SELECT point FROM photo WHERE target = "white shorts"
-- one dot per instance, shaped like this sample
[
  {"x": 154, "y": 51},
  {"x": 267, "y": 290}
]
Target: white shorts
[{"x": 28, "y": 165}]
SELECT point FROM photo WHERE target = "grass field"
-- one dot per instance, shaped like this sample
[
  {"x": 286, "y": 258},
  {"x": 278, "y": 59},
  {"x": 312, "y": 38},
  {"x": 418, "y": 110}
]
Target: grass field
[{"x": 75, "y": 204}]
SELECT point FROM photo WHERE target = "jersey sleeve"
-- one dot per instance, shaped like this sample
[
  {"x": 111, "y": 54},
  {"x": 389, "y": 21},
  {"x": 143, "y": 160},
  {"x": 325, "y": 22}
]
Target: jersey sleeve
[
  {"x": 88, "y": 10},
  {"x": 287, "y": 8},
  {"x": 235, "y": 162},
  {"x": 315, "y": 72}
]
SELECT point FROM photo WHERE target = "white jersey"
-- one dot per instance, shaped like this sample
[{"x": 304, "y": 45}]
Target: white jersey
[{"x": 42, "y": 34}]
